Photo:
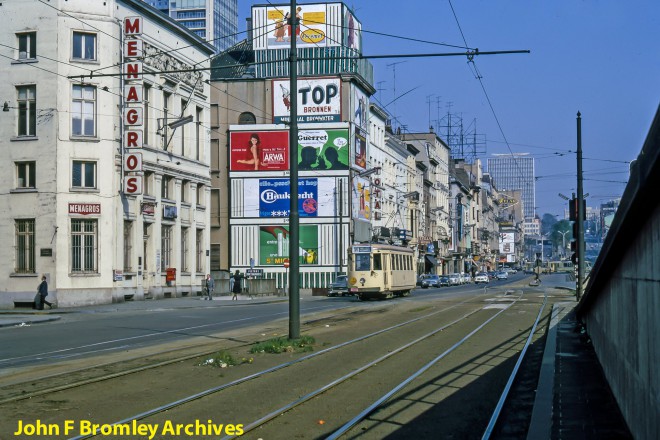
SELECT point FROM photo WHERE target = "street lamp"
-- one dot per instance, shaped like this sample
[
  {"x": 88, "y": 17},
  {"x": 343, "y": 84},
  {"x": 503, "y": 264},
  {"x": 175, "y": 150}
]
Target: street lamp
[
  {"x": 162, "y": 124},
  {"x": 563, "y": 242}
]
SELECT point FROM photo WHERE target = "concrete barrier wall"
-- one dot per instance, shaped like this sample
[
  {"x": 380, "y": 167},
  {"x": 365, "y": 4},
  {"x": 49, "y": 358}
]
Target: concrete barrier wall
[
  {"x": 621, "y": 305},
  {"x": 624, "y": 325}
]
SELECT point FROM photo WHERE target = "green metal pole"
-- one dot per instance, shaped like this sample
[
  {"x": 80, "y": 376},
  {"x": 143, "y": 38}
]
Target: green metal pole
[
  {"x": 580, "y": 212},
  {"x": 294, "y": 219}
]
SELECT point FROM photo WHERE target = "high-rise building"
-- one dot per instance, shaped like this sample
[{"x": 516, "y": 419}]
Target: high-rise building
[
  {"x": 214, "y": 20},
  {"x": 515, "y": 172}
]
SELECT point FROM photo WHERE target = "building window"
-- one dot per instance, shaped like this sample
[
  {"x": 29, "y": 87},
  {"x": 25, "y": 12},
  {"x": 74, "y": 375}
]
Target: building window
[
  {"x": 128, "y": 246},
  {"x": 83, "y": 110},
  {"x": 184, "y": 249},
  {"x": 199, "y": 247},
  {"x": 24, "y": 246},
  {"x": 84, "y": 246},
  {"x": 165, "y": 189},
  {"x": 83, "y": 174},
  {"x": 183, "y": 128},
  {"x": 27, "y": 45},
  {"x": 84, "y": 46},
  {"x": 198, "y": 134},
  {"x": 166, "y": 109},
  {"x": 184, "y": 191},
  {"x": 246, "y": 118},
  {"x": 215, "y": 256},
  {"x": 149, "y": 183},
  {"x": 146, "y": 97},
  {"x": 200, "y": 194},
  {"x": 27, "y": 110},
  {"x": 25, "y": 174},
  {"x": 166, "y": 247}
]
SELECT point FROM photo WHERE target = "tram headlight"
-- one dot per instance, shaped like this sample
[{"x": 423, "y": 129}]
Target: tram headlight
[{"x": 362, "y": 281}]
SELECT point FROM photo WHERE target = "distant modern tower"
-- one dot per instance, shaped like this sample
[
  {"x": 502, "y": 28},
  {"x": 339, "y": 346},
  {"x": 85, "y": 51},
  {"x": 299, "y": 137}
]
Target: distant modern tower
[
  {"x": 512, "y": 172},
  {"x": 216, "y": 21}
]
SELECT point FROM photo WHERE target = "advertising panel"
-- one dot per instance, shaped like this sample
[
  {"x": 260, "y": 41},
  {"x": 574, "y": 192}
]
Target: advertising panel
[
  {"x": 259, "y": 151},
  {"x": 360, "y": 108},
  {"x": 274, "y": 197},
  {"x": 361, "y": 199},
  {"x": 274, "y": 245},
  {"x": 270, "y": 197},
  {"x": 311, "y": 32},
  {"x": 507, "y": 243},
  {"x": 323, "y": 150},
  {"x": 319, "y": 100},
  {"x": 360, "y": 156},
  {"x": 352, "y": 31}
]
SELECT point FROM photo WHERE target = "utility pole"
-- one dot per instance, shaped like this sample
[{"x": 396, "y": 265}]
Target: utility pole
[
  {"x": 294, "y": 219},
  {"x": 580, "y": 212}
]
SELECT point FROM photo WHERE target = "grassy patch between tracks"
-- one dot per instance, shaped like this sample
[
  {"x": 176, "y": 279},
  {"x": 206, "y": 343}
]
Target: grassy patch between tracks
[
  {"x": 283, "y": 344},
  {"x": 224, "y": 359}
]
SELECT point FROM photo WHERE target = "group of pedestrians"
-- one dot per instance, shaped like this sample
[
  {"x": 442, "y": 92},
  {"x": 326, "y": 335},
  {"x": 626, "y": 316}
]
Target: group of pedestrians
[{"x": 234, "y": 286}]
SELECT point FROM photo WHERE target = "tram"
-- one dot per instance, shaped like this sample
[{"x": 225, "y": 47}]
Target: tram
[{"x": 380, "y": 271}]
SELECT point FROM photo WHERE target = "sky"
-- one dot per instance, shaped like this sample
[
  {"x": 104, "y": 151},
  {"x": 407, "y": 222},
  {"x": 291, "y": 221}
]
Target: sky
[{"x": 598, "y": 57}]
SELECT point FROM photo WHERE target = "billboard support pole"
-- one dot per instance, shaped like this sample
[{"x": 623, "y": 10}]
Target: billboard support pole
[{"x": 294, "y": 220}]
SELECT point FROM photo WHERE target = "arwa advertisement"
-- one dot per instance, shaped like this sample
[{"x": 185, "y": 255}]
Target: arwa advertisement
[
  {"x": 259, "y": 151},
  {"x": 274, "y": 245}
]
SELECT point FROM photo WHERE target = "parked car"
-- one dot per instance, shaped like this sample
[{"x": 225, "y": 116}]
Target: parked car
[
  {"x": 339, "y": 287},
  {"x": 455, "y": 279},
  {"x": 444, "y": 281},
  {"x": 502, "y": 275},
  {"x": 421, "y": 279},
  {"x": 431, "y": 281},
  {"x": 481, "y": 277}
]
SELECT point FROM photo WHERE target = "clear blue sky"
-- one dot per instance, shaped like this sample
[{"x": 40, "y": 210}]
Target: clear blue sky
[{"x": 599, "y": 57}]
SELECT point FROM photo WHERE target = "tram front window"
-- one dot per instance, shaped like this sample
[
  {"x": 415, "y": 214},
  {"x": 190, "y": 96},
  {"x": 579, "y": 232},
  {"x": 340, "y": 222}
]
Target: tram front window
[{"x": 362, "y": 262}]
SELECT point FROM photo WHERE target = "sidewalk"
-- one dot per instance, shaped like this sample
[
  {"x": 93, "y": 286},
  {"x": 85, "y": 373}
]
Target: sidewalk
[
  {"x": 22, "y": 317},
  {"x": 573, "y": 398}
]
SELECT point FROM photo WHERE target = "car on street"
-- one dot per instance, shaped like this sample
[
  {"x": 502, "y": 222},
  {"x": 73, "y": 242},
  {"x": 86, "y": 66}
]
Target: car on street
[
  {"x": 431, "y": 281},
  {"x": 455, "y": 279},
  {"x": 444, "y": 281},
  {"x": 339, "y": 287},
  {"x": 481, "y": 277},
  {"x": 502, "y": 275}
]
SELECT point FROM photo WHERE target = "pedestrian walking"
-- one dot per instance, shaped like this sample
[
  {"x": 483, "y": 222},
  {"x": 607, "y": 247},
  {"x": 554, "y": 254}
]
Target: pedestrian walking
[
  {"x": 42, "y": 292},
  {"x": 210, "y": 285},
  {"x": 236, "y": 288},
  {"x": 231, "y": 283}
]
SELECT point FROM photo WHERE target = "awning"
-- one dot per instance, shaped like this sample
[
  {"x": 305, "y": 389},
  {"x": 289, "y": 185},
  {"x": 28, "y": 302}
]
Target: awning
[{"x": 431, "y": 259}]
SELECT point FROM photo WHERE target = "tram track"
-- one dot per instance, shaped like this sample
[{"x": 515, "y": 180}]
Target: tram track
[
  {"x": 49, "y": 391},
  {"x": 209, "y": 397}
]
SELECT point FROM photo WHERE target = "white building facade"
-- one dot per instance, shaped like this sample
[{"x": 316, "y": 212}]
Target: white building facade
[{"x": 100, "y": 227}]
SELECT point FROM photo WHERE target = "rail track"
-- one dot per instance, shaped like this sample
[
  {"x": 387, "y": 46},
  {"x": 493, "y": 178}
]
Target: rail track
[{"x": 458, "y": 322}]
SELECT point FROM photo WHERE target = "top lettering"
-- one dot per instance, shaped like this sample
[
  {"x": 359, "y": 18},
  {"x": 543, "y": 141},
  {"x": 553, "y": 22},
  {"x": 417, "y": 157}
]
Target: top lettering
[{"x": 133, "y": 26}]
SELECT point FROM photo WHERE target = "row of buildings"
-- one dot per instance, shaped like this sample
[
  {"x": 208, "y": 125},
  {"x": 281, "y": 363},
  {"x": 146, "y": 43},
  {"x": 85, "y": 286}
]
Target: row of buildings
[{"x": 138, "y": 160}]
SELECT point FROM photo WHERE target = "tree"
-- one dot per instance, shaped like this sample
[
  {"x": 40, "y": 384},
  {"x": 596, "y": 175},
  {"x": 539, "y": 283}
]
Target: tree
[{"x": 547, "y": 221}]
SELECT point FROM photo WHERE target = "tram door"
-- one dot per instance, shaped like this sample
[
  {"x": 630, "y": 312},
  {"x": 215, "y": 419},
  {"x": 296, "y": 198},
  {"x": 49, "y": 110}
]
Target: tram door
[{"x": 387, "y": 276}]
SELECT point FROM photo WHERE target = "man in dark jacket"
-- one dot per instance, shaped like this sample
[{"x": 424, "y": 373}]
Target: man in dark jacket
[{"x": 43, "y": 293}]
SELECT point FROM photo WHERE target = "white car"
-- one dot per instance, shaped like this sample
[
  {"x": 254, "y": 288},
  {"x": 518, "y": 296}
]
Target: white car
[
  {"x": 455, "y": 279},
  {"x": 481, "y": 277}
]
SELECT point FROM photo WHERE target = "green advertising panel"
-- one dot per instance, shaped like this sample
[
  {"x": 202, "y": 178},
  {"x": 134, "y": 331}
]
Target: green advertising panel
[
  {"x": 274, "y": 245},
  {"x": 320, "y": 150}
]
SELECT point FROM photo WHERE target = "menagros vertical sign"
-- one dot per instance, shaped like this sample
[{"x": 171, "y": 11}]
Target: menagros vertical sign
[{"x": 132, "y": 115}]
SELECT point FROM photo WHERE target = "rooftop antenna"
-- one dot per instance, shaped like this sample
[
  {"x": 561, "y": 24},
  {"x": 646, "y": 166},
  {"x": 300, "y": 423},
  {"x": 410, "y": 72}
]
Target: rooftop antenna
[{"x": 393, "y": 66}]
